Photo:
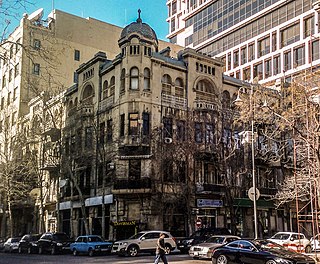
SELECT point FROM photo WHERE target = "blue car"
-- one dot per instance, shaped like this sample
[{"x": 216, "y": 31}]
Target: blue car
[{"x": 90, "y": 244}]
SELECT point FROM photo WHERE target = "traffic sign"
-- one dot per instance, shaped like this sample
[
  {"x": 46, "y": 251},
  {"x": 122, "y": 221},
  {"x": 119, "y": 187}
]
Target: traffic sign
[{"x": 251, "y": 194}]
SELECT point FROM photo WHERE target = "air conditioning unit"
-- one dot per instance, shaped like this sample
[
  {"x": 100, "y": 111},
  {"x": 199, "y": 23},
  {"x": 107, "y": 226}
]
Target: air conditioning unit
[{"x": 167, "y": 140}]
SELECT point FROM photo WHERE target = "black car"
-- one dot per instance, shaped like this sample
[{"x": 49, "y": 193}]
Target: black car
[
  {"x": 54, "y": 243},
  {"x": 259, "y": 251},
  {"x": 28, "y": 243},
  {"x": 200, "y": 236}
]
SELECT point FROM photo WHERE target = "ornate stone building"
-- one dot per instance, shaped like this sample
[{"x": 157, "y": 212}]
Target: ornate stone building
[{"x": 144, "y": 139}]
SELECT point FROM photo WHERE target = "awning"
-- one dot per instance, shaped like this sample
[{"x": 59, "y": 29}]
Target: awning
[{"x": 246, "y": 202}]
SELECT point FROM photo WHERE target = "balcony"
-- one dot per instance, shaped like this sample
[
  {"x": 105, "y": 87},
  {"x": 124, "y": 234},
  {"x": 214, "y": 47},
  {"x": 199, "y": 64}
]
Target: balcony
[
  {"x": 205, "y": 105},
  {"x": 174, "y": 101},
  {"x": 210, "y": 188},
  {"x": 124, "y": 186},
  {"x": 85, "y": 191},
  {"x": 106, "y": 103}
]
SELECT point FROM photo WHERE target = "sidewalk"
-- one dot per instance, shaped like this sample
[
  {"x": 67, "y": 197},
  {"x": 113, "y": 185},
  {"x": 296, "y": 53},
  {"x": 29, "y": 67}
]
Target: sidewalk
[{"x": 316, "y": 256}]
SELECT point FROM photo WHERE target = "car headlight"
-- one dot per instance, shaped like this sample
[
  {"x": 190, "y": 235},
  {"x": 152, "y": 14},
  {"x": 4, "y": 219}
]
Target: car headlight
[
  {"x": 124, "y": 244},
  {"x": 97, "y": 246},
  {"x": 59, "y": 244},
  {"x": 282, "y": 261}
]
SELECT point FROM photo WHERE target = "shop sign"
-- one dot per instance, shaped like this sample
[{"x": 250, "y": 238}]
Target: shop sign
[
  {"x": 209, "y": 203},
  {"x": 125, "y": 223}
]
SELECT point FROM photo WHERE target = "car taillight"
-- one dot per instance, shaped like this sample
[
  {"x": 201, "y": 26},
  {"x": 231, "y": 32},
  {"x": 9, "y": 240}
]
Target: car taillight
[{"x": 174, "y": 239}]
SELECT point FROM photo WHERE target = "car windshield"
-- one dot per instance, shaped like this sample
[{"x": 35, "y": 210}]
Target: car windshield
[
  {"x": 136, "y": 236},
  {"x": 61, "y": 237},
  {"x": 35, "y": 238},
  {"x": 281, "y": 236},
  {"x": 14, "y": 240},
  {"x": 218, "y": 240},
  {"x": 197, "y": 234},
  {"x": 94, "y": 239},
  {"x": 267, "y": 245}
]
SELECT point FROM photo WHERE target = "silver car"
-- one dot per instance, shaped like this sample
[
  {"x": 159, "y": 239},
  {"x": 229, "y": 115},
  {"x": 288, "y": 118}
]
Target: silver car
[
  {"x": 12, "y": 244},
  {"x": 205, "y": 249},
  {"x": 144, "y": 241}
]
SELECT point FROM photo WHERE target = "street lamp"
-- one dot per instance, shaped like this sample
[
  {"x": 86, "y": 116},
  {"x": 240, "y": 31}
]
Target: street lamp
[{"x": 252, "y": 191}]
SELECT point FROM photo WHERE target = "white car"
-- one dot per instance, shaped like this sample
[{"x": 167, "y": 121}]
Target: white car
[
  {"x": 144, "y": 241},
  {"x": 291, "y": 240},
  {"x": 315, "y": 243},
  {"x": 12, "y": 244},
  {"x": 205, "y": 249}
]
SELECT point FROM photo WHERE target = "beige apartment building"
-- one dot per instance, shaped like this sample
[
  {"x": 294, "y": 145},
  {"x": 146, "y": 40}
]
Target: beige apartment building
[
  {"x": 147, "y": 138},
  {"x": 42, "y": 54}
]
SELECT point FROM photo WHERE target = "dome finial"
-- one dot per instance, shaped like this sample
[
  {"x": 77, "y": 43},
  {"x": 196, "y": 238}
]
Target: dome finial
[{"x": 139, "y": 20}]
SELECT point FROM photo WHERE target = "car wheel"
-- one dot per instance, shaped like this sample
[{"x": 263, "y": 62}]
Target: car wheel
[
  {"x": 20, "y": 250},
  {"x": 168, "y": 248},
  {"x": 90, "y": 253},
  {"x": 222, "y": 259},
  {"x": 132, "y": 251},
  {"x": 74, "y": 252},
  {"x": 53, "y": 250},
  {"x": 307, "y": 249},
  {"x": 271, "y": 262},
  {"x": 29, "y": 250}
]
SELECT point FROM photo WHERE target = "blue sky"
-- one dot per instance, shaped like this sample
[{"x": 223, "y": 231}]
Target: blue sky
[{"x": 117, "y": 12}]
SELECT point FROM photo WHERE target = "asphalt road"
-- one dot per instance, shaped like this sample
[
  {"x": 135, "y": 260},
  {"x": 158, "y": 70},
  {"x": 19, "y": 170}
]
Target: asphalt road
[
  {"x": 15, "y": 258},
  {"x": 175, "y": 258}
]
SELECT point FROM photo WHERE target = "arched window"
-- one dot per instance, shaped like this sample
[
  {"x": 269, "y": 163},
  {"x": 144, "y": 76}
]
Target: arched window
[
  {"x": 112, "y": 86},
  {"x": 105, "y": 90},
  {"x": 123, "y": 81},
  {"x": 179, "y": 90},
  {"x": 146, "y": 79},
  {"x": 134, "y": 78},
  {"x": 166, "y": 84},
  {"x": 87, "y": 92},
  {"x": 205, "y": 90},
  {"x": 225, "y": 99}
]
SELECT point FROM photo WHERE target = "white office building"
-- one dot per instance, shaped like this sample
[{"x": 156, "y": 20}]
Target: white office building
[{"x": 263, "y": 39}]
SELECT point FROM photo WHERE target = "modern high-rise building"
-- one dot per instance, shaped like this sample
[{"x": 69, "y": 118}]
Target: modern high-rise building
[{"x": 265, "y": 40}]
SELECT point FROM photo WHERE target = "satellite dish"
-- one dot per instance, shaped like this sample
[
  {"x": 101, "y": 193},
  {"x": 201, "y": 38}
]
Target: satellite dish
[
  {"x": 36, "y": 15},
  {"x": 62, "y": 183},
  {"x": 35, "y": 192}
]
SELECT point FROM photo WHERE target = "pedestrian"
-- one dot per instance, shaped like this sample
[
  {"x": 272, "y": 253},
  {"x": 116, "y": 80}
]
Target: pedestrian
[{"x": 161, "y": 251}]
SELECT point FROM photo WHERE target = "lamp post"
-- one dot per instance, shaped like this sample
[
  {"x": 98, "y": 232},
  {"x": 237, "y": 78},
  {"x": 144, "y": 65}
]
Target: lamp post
[{"x": 254, "y": 189}]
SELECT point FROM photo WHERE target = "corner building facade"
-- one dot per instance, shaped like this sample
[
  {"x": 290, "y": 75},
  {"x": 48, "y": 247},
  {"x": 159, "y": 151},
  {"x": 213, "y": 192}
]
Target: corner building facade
[{"x": 142, "y": 130}]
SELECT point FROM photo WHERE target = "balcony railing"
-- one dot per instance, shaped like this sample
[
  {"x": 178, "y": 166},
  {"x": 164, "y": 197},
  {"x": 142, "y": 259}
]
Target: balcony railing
[
  {"x": 132, "y": 186},
  {"x": 174, "y": 101},
  {"x": 210, "y": 188},
  {"x": 205, "y": 105},
  {"x": 106, "y": 103}
]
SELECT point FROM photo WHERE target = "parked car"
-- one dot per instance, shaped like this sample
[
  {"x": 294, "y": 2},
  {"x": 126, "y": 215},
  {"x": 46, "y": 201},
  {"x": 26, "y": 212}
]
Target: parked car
[
  {"x": 11, "y": 244},
  {"x": 28, "y": 243},
  {"x": 260, "y": 251},
  {"x": 200, "y": 236},
  {"x": 54, "y": 243},
  {"x": 144, "y": 241},
  {"x": 315, "y": 243},
  {"x": 90, "y": 245},
  {"x": 2, "y": 243},
  {"x": 294, "y": 241},
  {"x": 205, "y": 249}
]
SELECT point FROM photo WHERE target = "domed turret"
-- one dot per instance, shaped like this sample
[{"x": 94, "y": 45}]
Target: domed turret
[{"x": 140, "y": 30}]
